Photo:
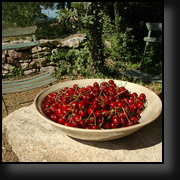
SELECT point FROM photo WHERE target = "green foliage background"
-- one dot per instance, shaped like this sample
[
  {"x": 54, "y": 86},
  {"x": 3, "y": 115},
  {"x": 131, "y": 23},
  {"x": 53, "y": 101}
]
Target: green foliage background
[{"x": 119, "y": 23}]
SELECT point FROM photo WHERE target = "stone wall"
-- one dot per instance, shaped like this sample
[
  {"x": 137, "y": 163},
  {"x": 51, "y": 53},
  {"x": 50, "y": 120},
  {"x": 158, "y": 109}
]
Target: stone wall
[{"x": 35, "y": 59}]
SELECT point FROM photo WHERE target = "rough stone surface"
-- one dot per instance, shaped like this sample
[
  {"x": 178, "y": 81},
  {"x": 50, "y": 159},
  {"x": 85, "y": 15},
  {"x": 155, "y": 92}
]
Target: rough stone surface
[
  {"x": 36, "y": 55},
  {"x": 34, "y": 140},
  {"x": 7, "y": 67},
  {"x": 33, "y": 55},
  {"x": 72, "y": 42},
  {"x": 47, "y": 68},
  {"x": 30, "y": 71},
  {"x": 49, "y": 43},
  {"x": 24, "y": 65},
  {"x": 3, "y": 57},
  {"x": 4, "y": 72}
]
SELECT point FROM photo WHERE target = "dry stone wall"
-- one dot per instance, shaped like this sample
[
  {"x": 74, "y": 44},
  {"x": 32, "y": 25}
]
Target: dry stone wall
[{"x": 35, "y": 59}]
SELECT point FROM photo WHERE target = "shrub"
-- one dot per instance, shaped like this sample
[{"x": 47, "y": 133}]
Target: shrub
[
  {"x": 73, "y": 62},
  {"x": 123, "y": 48},
  {"x": 152, "y": 60}
]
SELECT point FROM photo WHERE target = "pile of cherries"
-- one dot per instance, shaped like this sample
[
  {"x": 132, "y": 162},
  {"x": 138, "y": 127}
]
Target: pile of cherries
[{"x": 98, "y": 106}]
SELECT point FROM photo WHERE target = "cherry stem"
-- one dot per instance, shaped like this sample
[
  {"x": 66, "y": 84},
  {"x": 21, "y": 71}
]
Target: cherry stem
[
  {"x": 125, "y": 114},
  {"x": 100, "y": 92},
  {"x": 88, "y": 117},
  {"x": 120, "y": 93}
]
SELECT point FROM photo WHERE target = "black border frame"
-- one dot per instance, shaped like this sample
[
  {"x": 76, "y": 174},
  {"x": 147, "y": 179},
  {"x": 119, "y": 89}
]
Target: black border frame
[{"x": 167, "y": 167}]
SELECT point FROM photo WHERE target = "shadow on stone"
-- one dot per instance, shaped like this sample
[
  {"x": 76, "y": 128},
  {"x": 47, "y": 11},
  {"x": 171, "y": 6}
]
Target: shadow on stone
[{"x": 148, "y": 136}]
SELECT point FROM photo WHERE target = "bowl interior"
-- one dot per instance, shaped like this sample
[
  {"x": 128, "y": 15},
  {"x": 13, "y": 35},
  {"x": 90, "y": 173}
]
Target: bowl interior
[{"x": 151, "y": 112}]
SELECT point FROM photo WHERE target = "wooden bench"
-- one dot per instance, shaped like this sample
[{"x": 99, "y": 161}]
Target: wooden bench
[{"x": 19, "y": 32}]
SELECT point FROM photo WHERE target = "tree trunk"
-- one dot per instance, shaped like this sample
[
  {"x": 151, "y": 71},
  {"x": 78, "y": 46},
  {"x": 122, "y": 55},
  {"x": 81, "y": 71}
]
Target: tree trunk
[
  {"x": 119, "y": 18},
  {"x": 68, "y": 5},
  {"x": 95, "y": 36}
]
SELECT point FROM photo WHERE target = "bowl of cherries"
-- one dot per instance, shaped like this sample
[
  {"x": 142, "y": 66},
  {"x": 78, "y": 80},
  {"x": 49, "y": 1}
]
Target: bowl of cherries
[{"x": 98, "y": 109}]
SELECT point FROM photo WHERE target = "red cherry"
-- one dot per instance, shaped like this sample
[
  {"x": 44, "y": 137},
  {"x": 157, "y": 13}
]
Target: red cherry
[
  {"x": 91, "y": 120},
  {"x": 130, "y": 123},
  {"x": 75, "y": 86},
  {"x": 95, "y": 84},
  {"x": 119, "y": 104},
  {"x": 135, "y": 95},
  {"x": 115, "y": 120},
  {"x": 122, "y": 115},
  {"x": 132, "y": 107},
  {"x": 53, "y": 117},
  {"x": 134, "y": 119},
  {"x": 58, "y": 112},
  {"x": 77, "y": 118},
  {"x": 74, "y": 104},
  {"x": 97, "y": 113},
  {"x": 111, "y": 82},
  {"x": 61, "y": 121},
  {"x": 82, "y": 113},
  {"x": 107, "y": 125},
  {"x": 100, "y": 120},
  {"x": 105, "y": 112},
  {"x": 103, "y": 105},
  {"x": 81, "y": 123},
  {"x": 139, "y": 105},
  {"x": 90, "y": 111},
  {"x": 143, "y": 95},
  {"x": 92, "y": 127},
  {"x": 113, "y": 104},
  {"x": 113, "y": 125}
]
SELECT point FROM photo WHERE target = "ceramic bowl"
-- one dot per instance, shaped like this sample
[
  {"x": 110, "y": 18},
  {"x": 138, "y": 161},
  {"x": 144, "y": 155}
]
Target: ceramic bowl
[{"x": 151, "y": 112}]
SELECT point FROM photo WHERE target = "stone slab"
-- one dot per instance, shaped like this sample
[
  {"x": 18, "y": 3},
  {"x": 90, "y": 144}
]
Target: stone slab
[{"x": 34, "y": 140}]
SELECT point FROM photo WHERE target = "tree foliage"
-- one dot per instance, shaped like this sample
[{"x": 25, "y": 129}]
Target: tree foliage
[
  {"x": 23, "y": 13},
  {"x": 95, "y": 35},
  {"x": 124, "y": 22}
]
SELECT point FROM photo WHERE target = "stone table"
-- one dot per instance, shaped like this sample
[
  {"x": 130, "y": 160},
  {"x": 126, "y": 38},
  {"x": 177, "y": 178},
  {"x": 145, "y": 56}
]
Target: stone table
[{"x": 34, "y": 140}]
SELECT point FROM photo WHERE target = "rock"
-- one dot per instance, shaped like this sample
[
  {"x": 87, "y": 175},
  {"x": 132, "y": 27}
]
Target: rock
[
  {"x": 39, "y": 61},
  {"x": 11, "y": 61},
  {"x": 49, "y": 43},
  {"x": 24, "y": 65},
  {"x": 13, "y": 53},
  {"x": 35, "y": 55},
  {"x": 72, "y": 42},
  {"x": 34, "y": 64},
  {"x": 36, "y": 49},
  {"x": 52, "y": 63},
  {"x": 30, "y": 71},
  {"x": 14, "y": 56},
  {"x": 25, "y": 61},
  {"x": 34, "y": 140},
  {"x": 3, "y": 57},
  {"x": 45, "y": 62},
  {"x": 47, "y": 68},
  {"x": 46, "y": 49},
  {"x": 7, "y": 67},
  {"x": 40, "y": 49},
  {"x": 4, "y": 72}
]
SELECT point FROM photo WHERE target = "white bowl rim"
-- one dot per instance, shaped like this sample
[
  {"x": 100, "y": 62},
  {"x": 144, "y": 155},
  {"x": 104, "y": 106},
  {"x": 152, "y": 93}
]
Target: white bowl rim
[{"x": 96, "y": 130}]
